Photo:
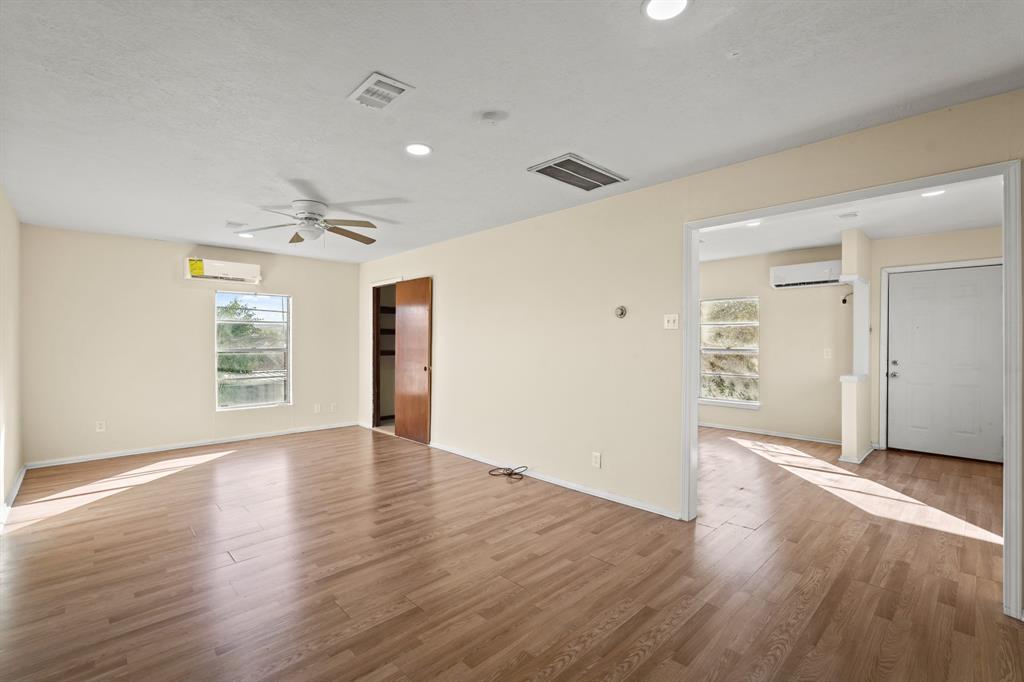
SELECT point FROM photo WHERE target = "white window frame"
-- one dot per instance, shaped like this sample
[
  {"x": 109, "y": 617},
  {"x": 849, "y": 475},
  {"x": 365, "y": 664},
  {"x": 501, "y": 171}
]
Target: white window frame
[
  {"x": 289, "y": 381},
  {"x": 722, "y": 402}
]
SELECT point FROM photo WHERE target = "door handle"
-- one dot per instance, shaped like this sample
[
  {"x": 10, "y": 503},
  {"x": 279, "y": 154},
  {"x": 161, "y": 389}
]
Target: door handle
[
  {"x": 893, "y": 374},
  {"x": 426, "y": 368}
]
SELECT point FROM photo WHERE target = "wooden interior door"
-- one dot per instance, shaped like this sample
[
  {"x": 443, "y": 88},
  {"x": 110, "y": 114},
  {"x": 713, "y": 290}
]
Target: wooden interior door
[{"x": 412, "y": 359}]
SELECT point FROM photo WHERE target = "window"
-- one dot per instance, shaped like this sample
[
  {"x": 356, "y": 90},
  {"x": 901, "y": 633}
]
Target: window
[
  {"x": 729, "y": 338},
  {"x": 253, "y": 350}
]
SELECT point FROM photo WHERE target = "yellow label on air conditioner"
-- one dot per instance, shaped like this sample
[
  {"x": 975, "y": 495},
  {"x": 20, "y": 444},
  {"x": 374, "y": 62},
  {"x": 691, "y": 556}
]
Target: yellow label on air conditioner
[{"x": 195, "y": 267}]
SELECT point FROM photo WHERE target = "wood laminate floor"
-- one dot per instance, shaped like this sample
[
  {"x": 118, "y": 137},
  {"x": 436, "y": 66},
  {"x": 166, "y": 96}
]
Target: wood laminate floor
[{"x": 351, "y": 554}]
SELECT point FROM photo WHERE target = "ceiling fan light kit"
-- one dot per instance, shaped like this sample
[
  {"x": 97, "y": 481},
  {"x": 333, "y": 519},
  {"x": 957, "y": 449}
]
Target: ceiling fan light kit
[{"x": 310, "y": 224}]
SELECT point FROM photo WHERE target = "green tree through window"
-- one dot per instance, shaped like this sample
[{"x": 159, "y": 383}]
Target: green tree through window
[
  {"x": 730, "y": 340},
  {"x": 253, "y": 353}
]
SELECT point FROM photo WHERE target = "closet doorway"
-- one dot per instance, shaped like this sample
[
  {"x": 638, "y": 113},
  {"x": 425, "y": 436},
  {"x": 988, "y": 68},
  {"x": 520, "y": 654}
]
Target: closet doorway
[{"x": 402, "y": 357}]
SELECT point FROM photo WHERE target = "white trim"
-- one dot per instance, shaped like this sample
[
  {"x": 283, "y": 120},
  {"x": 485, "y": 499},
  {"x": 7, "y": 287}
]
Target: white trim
[
  {"x": 883, "y": 330},
  {"x": 778, "y": 434},
  {"x": 688, "y": 470},
  {"x": 385, "y": 282},
  {"x": 859, "y": 459},
  {"x": 612, "y": 497},
  {"x": 180, "y": 446},
  {"x": 852, "y": 378},
  {"x": 5, "y": 508},
  {"x": 714, "y": 402},
  {"x": 1013, "y": 481}
]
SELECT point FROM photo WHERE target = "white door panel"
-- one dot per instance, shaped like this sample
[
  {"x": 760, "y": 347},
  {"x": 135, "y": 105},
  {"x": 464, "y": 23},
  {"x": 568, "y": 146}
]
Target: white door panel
[{"x": 945, "y": 382}]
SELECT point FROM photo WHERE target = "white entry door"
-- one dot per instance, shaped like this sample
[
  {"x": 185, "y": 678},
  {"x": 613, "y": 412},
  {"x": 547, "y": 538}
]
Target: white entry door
[{"x": 945, "y": 371}]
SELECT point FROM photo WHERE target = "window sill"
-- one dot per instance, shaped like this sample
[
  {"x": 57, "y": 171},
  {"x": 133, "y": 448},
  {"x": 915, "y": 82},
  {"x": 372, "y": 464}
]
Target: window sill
[
  {"x": 729, "y": 403},
  {"x": 251, "y": 407}
]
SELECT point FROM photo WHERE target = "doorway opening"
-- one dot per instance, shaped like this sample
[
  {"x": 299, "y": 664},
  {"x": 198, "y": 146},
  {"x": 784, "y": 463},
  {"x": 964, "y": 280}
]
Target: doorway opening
[
  {"x": 401, "y": 364},
  {"x": 384, "y": 358},
  {"x": 755, "y": 389}
]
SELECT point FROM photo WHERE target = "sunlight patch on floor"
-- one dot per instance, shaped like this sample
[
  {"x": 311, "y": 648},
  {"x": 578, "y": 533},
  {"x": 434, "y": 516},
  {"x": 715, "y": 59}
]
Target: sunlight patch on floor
[
  {"x": 868, "y": 495},
  {"x": 24, "y": 515}
]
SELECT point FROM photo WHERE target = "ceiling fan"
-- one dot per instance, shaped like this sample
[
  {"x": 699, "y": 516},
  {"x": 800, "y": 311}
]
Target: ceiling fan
[{"x": 307, "y": 217}]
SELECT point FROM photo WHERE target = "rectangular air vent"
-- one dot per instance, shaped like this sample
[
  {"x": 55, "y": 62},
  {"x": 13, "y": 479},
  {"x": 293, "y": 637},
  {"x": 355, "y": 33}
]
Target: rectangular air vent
[
  {"x": 378, "y": 91},
  {"x": 572, "y": 170}
]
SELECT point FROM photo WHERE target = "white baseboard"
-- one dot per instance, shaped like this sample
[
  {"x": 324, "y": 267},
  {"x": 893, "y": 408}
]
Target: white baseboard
[
  {"x": 780, "y": 434},
  {"x": 180, "y": 446},
  {"x": 859, "y": 459},
  {"x": 629, "y": 502},
  {"x": 5, "y": 507}
]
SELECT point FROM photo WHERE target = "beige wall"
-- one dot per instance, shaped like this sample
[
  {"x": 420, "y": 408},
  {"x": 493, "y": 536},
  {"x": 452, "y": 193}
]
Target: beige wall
[
  {"x": 530, "y": 365},
  {"x": 112, "y": 331},
  {"x": 932, "y": 248},
  {"x": 799, "y": 385},
  {"x": 10, "y": 439}
]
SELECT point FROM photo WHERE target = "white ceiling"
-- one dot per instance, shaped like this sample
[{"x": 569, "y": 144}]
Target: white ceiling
[
  {"x": 166, "y": 119},
  {"x": 962, "y": 206}
]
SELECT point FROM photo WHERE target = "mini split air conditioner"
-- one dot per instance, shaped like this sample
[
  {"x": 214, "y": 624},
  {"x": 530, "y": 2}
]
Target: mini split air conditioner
[
  {"x": 224, "y": 271},
  {"x": 821, "y": 274}
]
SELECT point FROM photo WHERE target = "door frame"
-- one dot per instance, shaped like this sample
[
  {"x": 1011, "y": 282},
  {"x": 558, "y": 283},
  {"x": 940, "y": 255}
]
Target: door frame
[
  {"x": 1013, "y": 481},
  {"x": 883, "y": 332}
]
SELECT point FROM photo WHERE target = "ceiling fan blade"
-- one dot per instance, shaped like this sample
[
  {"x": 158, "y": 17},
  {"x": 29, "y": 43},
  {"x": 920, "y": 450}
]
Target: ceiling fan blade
[
  {"x": 350, "y": 223},
  {"x": 351, "y": 235},
  {"x": 306, "y": 189},
  {"x": 296, "y": 238},
  {"x": 260, "y": 229},
  {"x": 271, "y": 210}
]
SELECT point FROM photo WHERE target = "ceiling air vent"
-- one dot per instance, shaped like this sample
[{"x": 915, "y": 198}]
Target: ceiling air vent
[
  {"x": 572, "y": 170},
  {"x": 378, "y": 91}
]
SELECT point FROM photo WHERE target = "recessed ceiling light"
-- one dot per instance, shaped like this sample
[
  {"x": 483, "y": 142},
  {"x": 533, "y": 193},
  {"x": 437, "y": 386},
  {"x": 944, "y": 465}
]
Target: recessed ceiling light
[
  {"x": 246, "y": 235},
  {"x": 418, "y": 149},
  {"x": 753, "y": 223},
  {"x": 933, "y": 193},
  {"x": 663, "y": 10}
]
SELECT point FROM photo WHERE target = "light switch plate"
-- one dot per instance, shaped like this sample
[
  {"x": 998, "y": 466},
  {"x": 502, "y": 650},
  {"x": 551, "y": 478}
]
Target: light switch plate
[
  {"x": 828, "y": 353},
  {"x": 672, "y": 321}
]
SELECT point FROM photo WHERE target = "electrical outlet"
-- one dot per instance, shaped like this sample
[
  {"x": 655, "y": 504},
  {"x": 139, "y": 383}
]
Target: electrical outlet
[
  {"x": 595, "y": 459},
  {"x": 334, "y": 407},
  {"x": 316, "y": 408},
  {"x": 828, "y": 353},
  {"x": 101, "y": 427},
  {"x": 672, "y": 321}
]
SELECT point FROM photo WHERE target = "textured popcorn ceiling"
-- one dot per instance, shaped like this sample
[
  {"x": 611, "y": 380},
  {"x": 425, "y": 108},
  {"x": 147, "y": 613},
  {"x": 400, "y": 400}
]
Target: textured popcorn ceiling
[{"x": 166, "y": 119}]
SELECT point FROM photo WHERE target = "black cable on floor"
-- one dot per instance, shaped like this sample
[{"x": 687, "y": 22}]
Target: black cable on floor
[{"x": 515, "y": 474}]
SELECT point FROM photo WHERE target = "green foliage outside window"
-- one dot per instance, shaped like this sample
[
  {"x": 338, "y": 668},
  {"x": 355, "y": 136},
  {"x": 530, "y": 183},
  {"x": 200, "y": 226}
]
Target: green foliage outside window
[
  {"x": 730, "y": 340},
  {"x": 252, "y": 349}
]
